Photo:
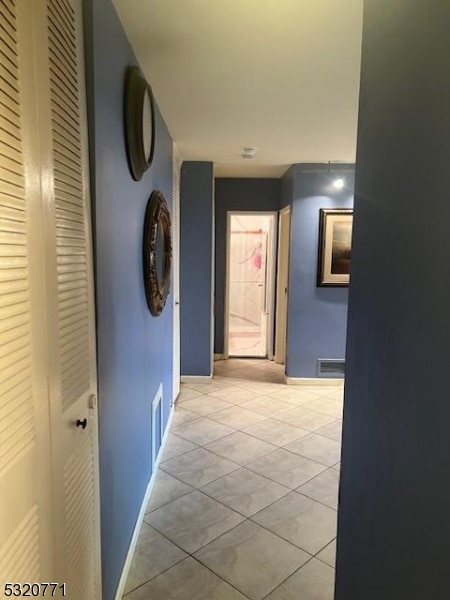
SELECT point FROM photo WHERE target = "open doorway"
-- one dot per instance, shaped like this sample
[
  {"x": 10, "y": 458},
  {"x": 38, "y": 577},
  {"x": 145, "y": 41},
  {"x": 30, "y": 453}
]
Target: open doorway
[{"x": 250, "y": 284}]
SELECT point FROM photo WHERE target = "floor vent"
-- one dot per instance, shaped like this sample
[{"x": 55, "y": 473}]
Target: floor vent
[{"x": 330, "y": 367}]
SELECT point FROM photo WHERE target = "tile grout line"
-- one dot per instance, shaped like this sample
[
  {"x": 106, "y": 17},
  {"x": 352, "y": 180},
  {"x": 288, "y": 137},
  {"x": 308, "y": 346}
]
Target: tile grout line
[
  {"x": 158, "y": 574},
  {"x": 243, "y": 466},
  {"x": 200, "y": 489},
  {"x": 258, "y": 525},
  {"x": 245, "y": 518},
  {"x": 309, "y": 431},
  {"x": 288, "y": 577},
  {"x": 285, "y": 540},
  {"x": 219, "y": 576},
  {"x": 246, "y": 467}
]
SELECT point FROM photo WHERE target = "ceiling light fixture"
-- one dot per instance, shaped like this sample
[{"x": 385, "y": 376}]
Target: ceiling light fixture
[
  {"x": 339, "y": 182},
  {"x": 248, "y": 152}
]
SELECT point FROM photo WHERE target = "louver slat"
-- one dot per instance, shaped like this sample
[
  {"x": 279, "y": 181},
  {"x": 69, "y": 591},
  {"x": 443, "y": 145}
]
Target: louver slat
[
  {"x": 19, "y": 557},
  {"x": 78, "y": 477},
  {"x": 16, "y": 396},
  {"x": 72, "y": 274},
  {"x": 20, "y": 552}
]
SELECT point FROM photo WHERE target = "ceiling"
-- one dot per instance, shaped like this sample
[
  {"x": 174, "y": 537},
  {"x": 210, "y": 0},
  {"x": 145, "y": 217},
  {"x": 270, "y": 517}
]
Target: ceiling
[{"x": 281, "y": 75}]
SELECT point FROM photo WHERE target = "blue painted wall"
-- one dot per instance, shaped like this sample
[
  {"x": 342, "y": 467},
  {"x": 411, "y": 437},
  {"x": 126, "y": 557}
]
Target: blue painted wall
[
  {"x": 134, "y": 348},
  {"x": 196, "y": 258},
  {"x": 394, "y": 525},
  {"x": 287, "y": 188},
  {"x": 236, "y": 194},
  {"x": 317, "y": 317}
]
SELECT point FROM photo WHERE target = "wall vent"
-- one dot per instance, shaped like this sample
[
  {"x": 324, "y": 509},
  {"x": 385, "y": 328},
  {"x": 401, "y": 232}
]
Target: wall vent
[
  {"x": 157, "y": 424},
  {"x": 331, "y": 367}
]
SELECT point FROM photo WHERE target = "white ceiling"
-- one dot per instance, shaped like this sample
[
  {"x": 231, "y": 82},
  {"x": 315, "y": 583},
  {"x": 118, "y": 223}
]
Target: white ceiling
[{"x": 281, "y": 75}]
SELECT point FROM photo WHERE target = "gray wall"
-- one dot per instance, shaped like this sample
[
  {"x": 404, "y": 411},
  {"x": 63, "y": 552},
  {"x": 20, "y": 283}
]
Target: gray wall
[
  {"x": 287, "y": 187},
  {"x": 394, "y": 523},
  {"x": 134, "y": 349},
  {"x": 236, "y": 194},
  {"x": 196, "y": 245},
  {"x": 317, "y": 316}
]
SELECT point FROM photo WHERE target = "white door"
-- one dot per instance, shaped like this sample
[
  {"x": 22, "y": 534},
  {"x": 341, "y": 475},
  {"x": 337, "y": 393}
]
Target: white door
[
  {"x": 282, "y": 285},
  {"x": 26, "y": 530},
  {"x": 269, "y": 303},
  {"x": 176, "y": 166},
  {"x": 69, "y": 295},
  {"x": 71, "y": 300},
  {"x": 57, "y": 269}
]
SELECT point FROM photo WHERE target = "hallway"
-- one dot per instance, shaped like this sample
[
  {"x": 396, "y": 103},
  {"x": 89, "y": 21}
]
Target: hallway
[{"x": 245, "y": 500}]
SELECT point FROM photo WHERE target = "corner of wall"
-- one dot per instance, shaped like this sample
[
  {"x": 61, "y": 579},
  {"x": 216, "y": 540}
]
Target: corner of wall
[
  {"x": 317, "y": 317},
  {"x": 196, "y": 268}
]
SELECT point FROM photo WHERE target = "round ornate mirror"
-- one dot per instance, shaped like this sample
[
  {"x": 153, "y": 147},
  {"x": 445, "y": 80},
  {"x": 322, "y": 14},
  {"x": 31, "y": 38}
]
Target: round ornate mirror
[{"x": 157, "y": 252}]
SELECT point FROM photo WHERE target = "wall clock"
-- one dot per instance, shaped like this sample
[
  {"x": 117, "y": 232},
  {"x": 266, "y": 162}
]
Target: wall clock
[{"x": 139, "y": 122}]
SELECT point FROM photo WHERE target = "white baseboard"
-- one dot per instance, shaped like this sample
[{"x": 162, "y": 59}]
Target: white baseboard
[
  {"x": 195, "y": 378},
  {"x": 219, "y": 356},
  {"x": 175, "y": 398},
  {"x": 137, "y": 527},
  {"x": 313, "y": 380}
]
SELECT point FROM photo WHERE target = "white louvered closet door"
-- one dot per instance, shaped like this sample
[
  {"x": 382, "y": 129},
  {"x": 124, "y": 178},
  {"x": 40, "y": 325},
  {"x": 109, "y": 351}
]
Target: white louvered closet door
[
  {"x": 25, "y": 493},
  {"x": 49, "y": 500},
  {"x": 69, "y": 295},
  {"x": 176, "y": 169}
]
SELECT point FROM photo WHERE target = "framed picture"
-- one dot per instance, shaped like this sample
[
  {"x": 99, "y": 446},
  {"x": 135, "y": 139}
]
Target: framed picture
[{"x": 335, "y": 242}]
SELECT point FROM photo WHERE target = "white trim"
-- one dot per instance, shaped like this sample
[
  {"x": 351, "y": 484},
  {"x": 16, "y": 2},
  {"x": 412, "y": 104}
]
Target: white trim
[
  {"x": 313, "y": 381},
  {"x": 157, "y": 401},
  {"x": 285, "y": 210},
  {"x": 226, "y": 324},
  {"x": 175, "y": 398},
  {"x": 139, "y": 520},
  {"x": 195, "y": 378},
  {"x": 219, "y": 356},
  {"x": 176, "y": 174},
  {"x": 282, "y": 291},
  {"x": 213, "y": 273},
  {"x": 270, "y": 284}
]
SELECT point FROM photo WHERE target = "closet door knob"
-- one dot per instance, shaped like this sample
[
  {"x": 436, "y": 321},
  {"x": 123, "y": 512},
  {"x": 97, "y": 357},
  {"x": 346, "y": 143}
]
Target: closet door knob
[{"x": 82, "y": 423}]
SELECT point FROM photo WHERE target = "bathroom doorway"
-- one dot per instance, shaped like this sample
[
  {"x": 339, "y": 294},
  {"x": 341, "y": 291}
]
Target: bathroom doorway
[{"x": 250, "y": 278}]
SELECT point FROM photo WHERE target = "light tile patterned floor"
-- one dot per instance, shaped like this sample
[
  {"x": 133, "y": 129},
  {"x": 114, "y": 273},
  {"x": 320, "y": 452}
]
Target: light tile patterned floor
[{"x": 244, "y": 503}]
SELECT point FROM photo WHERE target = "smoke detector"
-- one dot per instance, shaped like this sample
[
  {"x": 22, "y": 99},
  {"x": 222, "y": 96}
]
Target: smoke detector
[{"x": 248, "y": 152}]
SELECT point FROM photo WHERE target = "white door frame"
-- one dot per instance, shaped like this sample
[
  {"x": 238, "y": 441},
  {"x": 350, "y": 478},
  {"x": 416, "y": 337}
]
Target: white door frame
[
  {"x": 176, "y": 172},
  {"x": 51, "y": 484},
  {"x": 270, "y": 279},
  {"x": 213, "y": 278},
  {"x": 282, "y": 285}
]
